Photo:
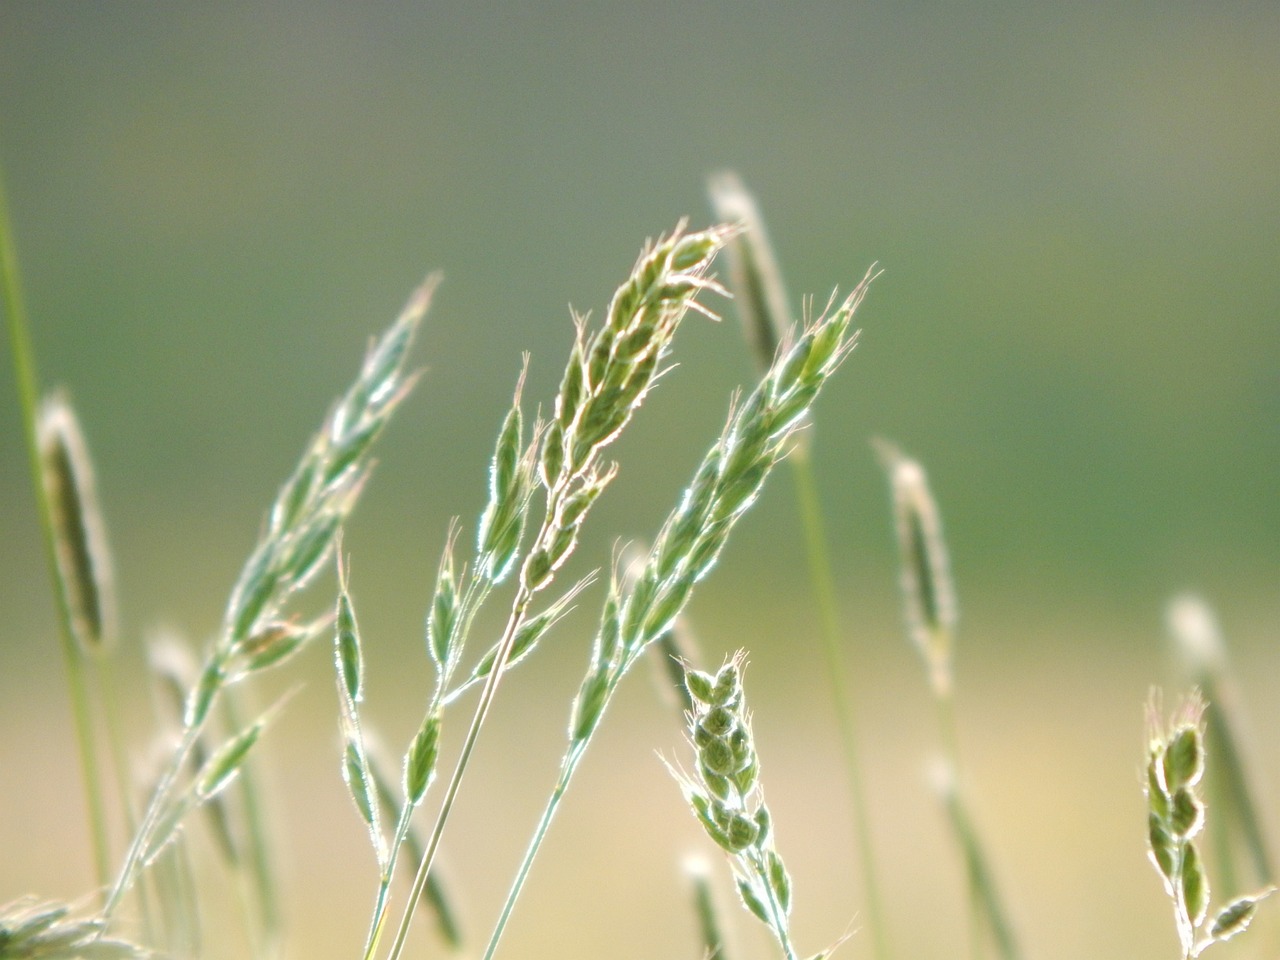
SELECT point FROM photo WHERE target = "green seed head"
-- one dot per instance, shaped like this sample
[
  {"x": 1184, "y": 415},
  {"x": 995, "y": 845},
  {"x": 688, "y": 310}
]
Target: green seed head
[
  {"x": 700, "y": 685},
  {"x": 696, "y": 249},
  {"x": 718, "y": 757},
  {"x": 1184, "y": 758},
  {"x": 1186, "y": 815},
  {"x": 551, "y": 464},
  {"x": 728, "y": 688},
  {"x": 747, "y": 775},
  {"x": 764, "y": 822},
  {"x": 1195, "y": 884},
  {"x": 84, "y": 565},
  {"x": 1237, "y": 915},
  {"x": 1163, "y": 848},
  {"x": 720, "y": 786},
  {"x": 718, "y": 721},
  {"x": 742, "y": 832},
  {"x": 1157, "y": 799}
]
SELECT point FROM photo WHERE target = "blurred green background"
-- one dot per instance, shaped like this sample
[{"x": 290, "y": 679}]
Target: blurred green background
[{"x": 1077, "y": 210}]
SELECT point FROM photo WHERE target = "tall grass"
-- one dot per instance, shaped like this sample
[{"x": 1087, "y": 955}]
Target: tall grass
[{"x": 546, "y": 474}]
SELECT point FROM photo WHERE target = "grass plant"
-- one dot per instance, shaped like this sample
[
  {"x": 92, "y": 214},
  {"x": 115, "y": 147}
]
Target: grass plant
[
  {"x": 545, "y": 476},
  {"x": 763, "y": 306},
  {"x": 931, "y": 614}
]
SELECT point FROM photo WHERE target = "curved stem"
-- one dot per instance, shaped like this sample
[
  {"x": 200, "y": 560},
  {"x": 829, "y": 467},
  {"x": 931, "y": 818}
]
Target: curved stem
[{"x": 24, "y": 369}]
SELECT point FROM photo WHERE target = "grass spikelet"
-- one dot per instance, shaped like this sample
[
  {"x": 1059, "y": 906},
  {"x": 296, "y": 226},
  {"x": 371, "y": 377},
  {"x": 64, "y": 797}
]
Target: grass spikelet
[
  {"x": 930, "y": 607},
  {"x": 302, "y": 526},
  {"x": 609, "y": 372},
  {"x": 511, "y": 486},
  {"x": 349, "y": 660},
  {"x": 1237, "y": 826},
  {"x": 759, "y": 295},
  {"x": 927, "y": 588},
  {"x": 84, "y": 563},
  {"x": 1176, "y": 759},
  {"x": 304, "y": 520},
  {"x": 727, "y": 799},
  {"x": 31, "y": 930}
]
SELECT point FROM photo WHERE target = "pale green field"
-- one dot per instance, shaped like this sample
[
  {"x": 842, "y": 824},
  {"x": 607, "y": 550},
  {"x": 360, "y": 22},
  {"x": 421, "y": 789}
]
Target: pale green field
[{"x": 1076, "y": 208}]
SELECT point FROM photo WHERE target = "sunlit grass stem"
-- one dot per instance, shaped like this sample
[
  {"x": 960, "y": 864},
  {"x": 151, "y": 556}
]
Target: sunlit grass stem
[{"x": 608, "y": 375}]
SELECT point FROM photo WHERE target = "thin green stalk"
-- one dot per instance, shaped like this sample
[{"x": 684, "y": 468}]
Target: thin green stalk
[
  {"x": 779, "y": 923},
  {"x": 107, "y": 687},
  {"x": 811, "y": 520},
  {"x": 762, "y": 303},
  {"x": 960, "y": 823},
  {"x": 376, "y": 925},
  {"x": 28, "y": 398},
  {"x": 567, "y": 769},
  {"x": 157, "y": 805},
  {"x": 708, "y": 922},
  {"x": 986, "y": 908},
  {"x": 487, "y": 693},
  {"x": 262, "y": 900}
]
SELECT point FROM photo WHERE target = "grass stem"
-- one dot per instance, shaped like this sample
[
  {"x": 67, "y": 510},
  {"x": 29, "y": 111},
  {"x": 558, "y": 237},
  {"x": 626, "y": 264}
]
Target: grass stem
[
  {"x": 567, "y": 769},
  {"x": 258, "y": 892},
  {"x": 27, "y": 383},
  {"x": 809, "y": 507},
  {"x": 519, "y": 610}
]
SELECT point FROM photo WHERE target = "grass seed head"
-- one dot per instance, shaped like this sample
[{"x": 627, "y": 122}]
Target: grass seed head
[
  {"x": 80, "y": 540},
  {"x": 754, "y": 277},
  {"x": 925, "y": 570}
]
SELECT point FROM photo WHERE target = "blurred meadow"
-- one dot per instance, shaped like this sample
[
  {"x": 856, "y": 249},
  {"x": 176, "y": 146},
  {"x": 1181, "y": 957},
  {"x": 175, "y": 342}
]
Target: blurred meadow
[{"x": 1077, "y": 210}]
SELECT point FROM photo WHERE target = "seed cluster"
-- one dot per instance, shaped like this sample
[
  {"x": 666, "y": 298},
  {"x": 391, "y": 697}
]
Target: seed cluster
[
  {"x": 606, "y": 379},
  {"x": 1175, "y": 817},
  {"x": 727, "y": 799}
]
